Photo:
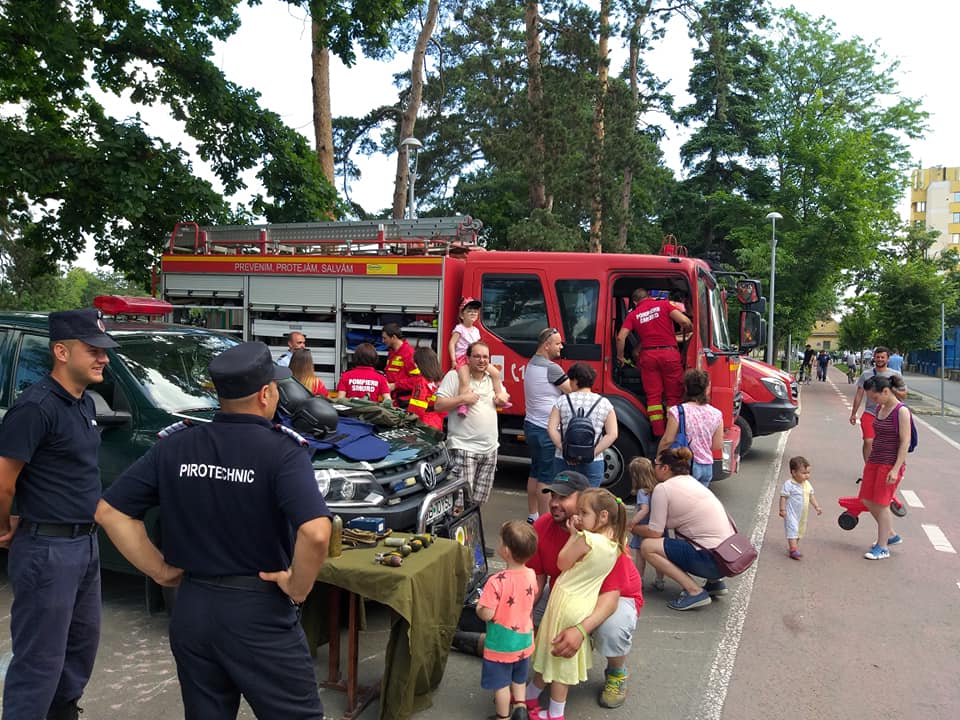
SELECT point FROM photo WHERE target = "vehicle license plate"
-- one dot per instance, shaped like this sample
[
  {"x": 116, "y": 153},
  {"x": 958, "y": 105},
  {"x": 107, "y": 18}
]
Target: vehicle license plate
[{"x": 439, "y": 507}]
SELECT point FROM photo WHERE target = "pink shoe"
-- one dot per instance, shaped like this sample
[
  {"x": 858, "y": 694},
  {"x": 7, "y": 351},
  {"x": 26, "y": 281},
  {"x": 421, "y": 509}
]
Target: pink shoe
[
  {"x": 545, "y": 715},
  {"x": 533, "y": 708},
  {"x": 795, "y": 554},
  {"x": 462, "y": 410}
]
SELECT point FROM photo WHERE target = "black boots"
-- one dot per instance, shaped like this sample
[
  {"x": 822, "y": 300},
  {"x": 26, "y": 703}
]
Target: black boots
[
  {"x": 66, "y": 711},
  {"x": 470, "y": 643}
]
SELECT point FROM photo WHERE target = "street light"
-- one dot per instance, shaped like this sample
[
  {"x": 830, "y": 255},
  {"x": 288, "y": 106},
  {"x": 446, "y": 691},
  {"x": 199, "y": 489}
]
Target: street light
[
  {"x": 411, "y": 146},
  {"x": 774, "y": 216}
]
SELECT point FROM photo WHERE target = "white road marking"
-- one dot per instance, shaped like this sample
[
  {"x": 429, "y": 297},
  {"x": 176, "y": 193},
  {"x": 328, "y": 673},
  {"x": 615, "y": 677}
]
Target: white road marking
[
  {"x": 938, "y": 539},
  {"x": 911, "y": 499},
  {"x": 953, "y": 443},
  {"x": 721, "y": 670}
]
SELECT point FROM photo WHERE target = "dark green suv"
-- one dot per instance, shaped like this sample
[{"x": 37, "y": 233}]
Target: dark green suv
[{"x": 158, "y": 375}]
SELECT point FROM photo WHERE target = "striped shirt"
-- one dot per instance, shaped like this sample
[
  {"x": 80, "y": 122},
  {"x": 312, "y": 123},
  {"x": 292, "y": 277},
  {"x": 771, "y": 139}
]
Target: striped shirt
[{"x": 886, "y": 442}]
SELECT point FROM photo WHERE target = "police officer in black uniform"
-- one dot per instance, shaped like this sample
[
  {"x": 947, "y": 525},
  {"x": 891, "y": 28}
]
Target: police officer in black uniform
[
  {"x": 231, "y": 493},
  {"x": 49, "y": 444}
]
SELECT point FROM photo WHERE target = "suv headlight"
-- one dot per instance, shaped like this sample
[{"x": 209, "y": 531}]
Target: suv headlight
[
  {"x": 349, "y": 487},
  {"x": 776, "y": 387}
]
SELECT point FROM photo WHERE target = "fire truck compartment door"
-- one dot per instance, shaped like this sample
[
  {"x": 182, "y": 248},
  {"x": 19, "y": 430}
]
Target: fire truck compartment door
[
  {"x": 267, "y": 293},
  {"x": 387, "y": 293},
  {"x": 190, "y": 285}
]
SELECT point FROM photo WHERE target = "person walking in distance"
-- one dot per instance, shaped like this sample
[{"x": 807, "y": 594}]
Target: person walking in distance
[
  {"x": 49, "y": 448},
  {"x": 898, "y": 387},
  {"x": 506, "y": 605},
  {"x": 543, "y": 382},
  {"x": 295, "y": 341},
  {"x": 659, "y": 359},
  {"x": 247, "y": 530}
]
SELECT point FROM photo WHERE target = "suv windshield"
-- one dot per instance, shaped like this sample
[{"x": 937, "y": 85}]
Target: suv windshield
[{"x": 172, "y": 368}]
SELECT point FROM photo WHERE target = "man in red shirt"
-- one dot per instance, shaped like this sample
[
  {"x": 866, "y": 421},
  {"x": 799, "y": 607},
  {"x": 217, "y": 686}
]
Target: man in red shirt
[
  {"x": 658, "y": 358},
  {"x": 614, "y": 617},
  {"x": 401, "y": 370}
]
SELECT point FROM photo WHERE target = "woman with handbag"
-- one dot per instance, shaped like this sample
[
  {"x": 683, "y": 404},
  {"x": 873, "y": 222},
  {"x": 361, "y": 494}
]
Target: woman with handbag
[
  {"x": 702, "y": 425},
  {"x": 679, "y": 502}
]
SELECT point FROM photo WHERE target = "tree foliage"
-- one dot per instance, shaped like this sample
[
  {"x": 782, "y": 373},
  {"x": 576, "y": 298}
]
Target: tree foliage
[{"x": 69, "y": 171}]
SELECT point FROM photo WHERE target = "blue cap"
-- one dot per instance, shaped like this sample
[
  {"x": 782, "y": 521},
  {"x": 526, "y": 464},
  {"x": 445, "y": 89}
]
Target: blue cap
[
  {"x": 243, "y": 369},
  {"x": 84, "y": 325}
]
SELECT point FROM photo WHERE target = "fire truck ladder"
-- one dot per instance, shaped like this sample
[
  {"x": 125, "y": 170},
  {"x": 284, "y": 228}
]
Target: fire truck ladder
[{"x": 424, "y": 236}]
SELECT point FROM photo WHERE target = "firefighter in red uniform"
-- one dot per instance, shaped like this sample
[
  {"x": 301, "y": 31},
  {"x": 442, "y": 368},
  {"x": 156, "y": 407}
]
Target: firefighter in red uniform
[
  {"x": 658, "y": 357},
  {"x": 401, "y": 370}
]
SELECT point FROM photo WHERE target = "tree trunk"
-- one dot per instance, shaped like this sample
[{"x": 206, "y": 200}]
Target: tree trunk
[
  {"x": 408, "y": 120},
  {"x": 626, "y": 188},
  {"x": 596, "y": 204},
  {"x": 538, "y": 187},
  {"x": 322, "y": 118}
]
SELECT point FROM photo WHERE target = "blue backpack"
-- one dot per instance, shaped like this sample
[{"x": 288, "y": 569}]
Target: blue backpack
[
  {"x": 681, "y": 440},
  {"x": 913, "y": 427}
]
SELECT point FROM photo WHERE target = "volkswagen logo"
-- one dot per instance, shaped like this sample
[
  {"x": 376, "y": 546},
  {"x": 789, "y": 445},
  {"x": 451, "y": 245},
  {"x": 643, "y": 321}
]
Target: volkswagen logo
[{"x": 428, "y": 476}]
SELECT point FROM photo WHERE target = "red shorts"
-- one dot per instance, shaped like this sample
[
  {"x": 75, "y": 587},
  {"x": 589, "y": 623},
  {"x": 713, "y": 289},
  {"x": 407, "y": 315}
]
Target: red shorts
[
  {"x": 874, "y": 486},
  {"x": 866, "y": 426}
]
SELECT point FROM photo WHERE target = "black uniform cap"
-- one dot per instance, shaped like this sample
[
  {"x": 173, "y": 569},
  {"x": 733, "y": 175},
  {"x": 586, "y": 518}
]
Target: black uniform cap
[
  {"x": 84, "y": 325},
  {"x": 244, "y": 369}
]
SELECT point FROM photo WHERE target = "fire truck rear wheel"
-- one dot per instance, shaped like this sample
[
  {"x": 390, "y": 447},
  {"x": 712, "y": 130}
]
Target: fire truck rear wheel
[{"x": 616, "y": 477}]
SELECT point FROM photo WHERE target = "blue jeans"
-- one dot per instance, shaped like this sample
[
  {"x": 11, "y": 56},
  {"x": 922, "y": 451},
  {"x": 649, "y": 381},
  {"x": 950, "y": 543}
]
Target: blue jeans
[
  {"x": 692, "y": 560},
  {"x": 703, "y": 472},
  {"x": 542, "y": 451},
  {"x": 593, "y": 471}
]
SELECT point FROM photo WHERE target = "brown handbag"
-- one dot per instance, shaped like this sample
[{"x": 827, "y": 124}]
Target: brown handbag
[{"x": 735, "y": 554}]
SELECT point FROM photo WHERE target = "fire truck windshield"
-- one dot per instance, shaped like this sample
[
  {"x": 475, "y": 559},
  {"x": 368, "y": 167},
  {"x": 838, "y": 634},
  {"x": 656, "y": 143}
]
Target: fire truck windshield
[
  {"x": 719, "y": 334},
  {"x": 172, "y": 367}
]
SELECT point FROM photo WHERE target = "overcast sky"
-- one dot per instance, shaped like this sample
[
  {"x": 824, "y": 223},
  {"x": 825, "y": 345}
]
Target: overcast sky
[{"x": 271, "y": 53}]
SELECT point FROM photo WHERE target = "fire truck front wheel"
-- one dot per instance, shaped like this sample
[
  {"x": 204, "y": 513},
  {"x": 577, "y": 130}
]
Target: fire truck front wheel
[{"x": 617, "y": 457}]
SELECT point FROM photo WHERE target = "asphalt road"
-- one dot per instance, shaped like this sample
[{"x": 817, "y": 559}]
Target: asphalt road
[{"x": 830, "y": 635}]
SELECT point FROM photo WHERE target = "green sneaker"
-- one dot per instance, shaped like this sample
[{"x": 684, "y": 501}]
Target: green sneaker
[{"x": 614, "y": 690}]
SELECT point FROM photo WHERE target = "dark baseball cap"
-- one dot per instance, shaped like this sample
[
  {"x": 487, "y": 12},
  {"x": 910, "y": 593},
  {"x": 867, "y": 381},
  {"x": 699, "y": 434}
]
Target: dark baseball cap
[
  {"x": 567, "y": 482},
  {"x": 84, "y": 325},
  {"x": 244, "y": 369}
]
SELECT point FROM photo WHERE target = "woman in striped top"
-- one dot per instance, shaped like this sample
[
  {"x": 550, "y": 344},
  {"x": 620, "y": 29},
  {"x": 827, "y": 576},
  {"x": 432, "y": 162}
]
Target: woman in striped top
[{"x": 886, "y": 463}]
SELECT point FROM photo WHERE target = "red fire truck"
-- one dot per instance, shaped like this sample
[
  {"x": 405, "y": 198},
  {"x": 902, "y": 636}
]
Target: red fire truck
[{"x": 340, "y": 282}]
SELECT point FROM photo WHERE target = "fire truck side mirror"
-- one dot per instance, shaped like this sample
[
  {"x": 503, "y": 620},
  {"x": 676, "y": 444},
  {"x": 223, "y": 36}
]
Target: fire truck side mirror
[
  {"x": 748, "y": 293},
  {"x": 751, "y": 330}
]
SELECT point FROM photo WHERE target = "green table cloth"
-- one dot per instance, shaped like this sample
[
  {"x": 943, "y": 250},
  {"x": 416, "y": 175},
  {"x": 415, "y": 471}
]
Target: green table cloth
[{"x": 426, "y": 594}]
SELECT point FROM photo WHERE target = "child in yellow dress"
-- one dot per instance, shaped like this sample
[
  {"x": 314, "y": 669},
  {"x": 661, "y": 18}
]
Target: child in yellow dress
[{"x": 598, "y": 534}]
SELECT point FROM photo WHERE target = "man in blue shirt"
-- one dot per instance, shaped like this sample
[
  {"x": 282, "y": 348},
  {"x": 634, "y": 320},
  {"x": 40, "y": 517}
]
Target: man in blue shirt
[
  {"x": 49, "y": 444},
  {"x": 232, "y": 493},
  {"x": 895, "y": 362}
]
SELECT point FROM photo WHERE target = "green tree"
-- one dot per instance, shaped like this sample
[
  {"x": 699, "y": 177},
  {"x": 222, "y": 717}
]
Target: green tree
[
  {"x": 836, "y": 127},
  {"x": 69, "y": 171},
  {"x": 907, "y": 313},
  {"x": 857, "y": 326}
]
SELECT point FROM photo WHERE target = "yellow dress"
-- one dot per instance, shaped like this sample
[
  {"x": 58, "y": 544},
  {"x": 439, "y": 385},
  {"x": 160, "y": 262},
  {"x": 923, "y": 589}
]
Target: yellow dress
[{"x": 570, "y": 602}]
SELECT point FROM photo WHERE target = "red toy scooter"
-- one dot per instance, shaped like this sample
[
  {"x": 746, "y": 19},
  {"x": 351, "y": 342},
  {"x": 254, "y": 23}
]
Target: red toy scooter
[{"x": 853, "y": 506}]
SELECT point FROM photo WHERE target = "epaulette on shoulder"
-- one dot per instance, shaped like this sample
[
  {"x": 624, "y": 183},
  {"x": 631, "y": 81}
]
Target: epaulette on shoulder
[
  {"x": 175, "y": 428},
  {"x": 300, "y": 439}
]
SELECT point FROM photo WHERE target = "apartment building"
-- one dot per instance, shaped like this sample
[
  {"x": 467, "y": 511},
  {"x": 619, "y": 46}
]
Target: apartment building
[{"x": 935, "y": 202}]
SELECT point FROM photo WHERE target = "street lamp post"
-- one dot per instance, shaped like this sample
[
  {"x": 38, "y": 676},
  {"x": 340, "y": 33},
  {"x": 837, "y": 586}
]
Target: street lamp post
[
  {"x": 773, "y": 217},
  {"x": 411, "y": 146}
]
